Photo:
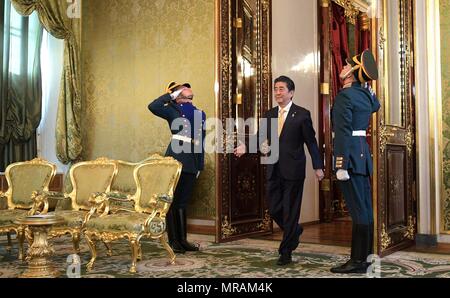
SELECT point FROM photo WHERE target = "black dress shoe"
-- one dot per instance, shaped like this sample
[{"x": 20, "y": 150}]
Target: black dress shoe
[
  {"x": 284, "y": 259},
  {"x": 177, "y": 247},
  {"x": 351, "y": 266},
  {"x": 189, "y": 246},
  {"x": 181, "y": 221}
]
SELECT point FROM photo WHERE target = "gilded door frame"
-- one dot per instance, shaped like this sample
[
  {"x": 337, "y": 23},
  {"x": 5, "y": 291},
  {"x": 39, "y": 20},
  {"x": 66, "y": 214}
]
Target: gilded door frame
[
  {"x": 402, "y": 135},
  {"x": 225, "y": 231}
]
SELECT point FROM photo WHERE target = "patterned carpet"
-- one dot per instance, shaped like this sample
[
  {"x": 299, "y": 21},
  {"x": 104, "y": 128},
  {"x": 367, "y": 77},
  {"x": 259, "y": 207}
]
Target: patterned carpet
[{"x": 244, "y": 259}]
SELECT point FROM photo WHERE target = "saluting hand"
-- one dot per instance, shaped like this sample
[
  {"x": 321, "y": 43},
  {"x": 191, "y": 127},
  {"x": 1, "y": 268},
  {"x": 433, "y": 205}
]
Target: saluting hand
[{"x": 177, "y": 93}]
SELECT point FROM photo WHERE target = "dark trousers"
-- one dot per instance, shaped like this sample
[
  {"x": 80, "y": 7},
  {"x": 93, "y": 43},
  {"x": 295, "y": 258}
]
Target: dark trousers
[
  {"x": 184, "y": 190},
  {"x": 358, "y": 198},
  {"x": 285, "y": 200}
]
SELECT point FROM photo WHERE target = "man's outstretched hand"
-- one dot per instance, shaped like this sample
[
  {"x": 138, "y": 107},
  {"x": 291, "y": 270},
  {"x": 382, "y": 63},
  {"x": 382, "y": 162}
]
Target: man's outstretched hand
[{"x": 240, "y": 150}]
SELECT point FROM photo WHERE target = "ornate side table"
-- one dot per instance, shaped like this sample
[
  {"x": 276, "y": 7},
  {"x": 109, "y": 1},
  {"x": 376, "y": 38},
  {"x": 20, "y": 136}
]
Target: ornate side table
[{"x": 39, "y": 265}]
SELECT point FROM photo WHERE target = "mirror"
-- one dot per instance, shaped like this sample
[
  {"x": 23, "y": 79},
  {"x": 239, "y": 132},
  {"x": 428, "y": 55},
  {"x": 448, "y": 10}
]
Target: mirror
[
  {"x": 247, "y": 54},
  {"x": 395, "y": 62}
]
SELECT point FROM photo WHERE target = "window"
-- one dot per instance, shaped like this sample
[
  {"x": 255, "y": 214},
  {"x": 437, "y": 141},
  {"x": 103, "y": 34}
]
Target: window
[{"x": 22, "y": 37}]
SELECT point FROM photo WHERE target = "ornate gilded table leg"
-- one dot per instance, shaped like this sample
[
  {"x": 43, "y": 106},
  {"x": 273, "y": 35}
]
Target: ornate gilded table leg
[{"x": 40, "y": 252}]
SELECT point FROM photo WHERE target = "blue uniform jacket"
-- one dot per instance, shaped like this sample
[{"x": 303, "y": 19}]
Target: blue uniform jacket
[
  {"x": 352, "y": 111},
  {"x": 166, "y": 108}
]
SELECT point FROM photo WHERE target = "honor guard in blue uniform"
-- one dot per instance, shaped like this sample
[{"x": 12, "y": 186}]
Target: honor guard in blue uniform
[
  {"x": 352, "y": 111},
  {"x": 187, "y": 124}
]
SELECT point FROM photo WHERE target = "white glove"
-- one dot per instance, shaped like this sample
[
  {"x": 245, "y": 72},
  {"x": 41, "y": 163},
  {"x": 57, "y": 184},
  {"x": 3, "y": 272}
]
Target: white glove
[
  {"x": 175, "y": 94},
  {"x": 198, "y": 174},
  {"x": 342, "y": 175}
]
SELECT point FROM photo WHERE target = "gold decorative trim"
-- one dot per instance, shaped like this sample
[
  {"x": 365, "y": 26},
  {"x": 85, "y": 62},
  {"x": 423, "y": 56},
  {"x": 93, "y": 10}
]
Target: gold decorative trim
[
  {"x": 325, "y": 88},
  {"x": 364, "y": 21},
  {"x": 227, "y": 229},
  {"x": 93, "y": 235},
  {"x": 266, "y": 224},
  {"x": 325, "y": 185},
  {"x": 383, "y": 136},
  {"x": 385, "y": 239},
  {"x": 265, "y": 5},
  {"x": 351, "y": 11},
  {"x": 409, "y": 140},
  {"x": 325, "y": 3},
  {"x": 411, "y": 230},
  {"x": 382, "y": 39},
  {"x": 9, "y": 193}
]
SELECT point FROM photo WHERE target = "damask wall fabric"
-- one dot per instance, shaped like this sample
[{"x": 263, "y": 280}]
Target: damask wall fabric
[
  {"x": 130, "y": 51},
  {"x": 445, "y": 52}
]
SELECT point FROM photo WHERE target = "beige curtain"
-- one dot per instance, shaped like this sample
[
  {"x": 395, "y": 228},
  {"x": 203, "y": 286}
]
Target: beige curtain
[{"x": 53, "y": 14}]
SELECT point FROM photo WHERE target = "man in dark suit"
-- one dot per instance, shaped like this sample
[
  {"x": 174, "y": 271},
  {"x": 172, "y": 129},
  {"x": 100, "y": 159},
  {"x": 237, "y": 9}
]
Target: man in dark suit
[
  {"x": 352, "y": 110},
  {"x": 289, "y": 126},
  {"x": 187, "y": 124}
]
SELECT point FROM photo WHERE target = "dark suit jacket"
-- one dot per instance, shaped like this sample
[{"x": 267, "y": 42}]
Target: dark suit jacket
[
  {"x": 167, "y": 109},
  {"x": 297, "y": 131}
]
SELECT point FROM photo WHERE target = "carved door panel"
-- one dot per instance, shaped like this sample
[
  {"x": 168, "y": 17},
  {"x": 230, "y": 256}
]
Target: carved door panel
[
  {"x": 396, "y": 218},
  {"x": 245, "y": 85}
]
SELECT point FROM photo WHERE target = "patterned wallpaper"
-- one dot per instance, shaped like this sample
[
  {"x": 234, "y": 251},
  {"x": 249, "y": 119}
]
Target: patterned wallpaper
[
  {"x": 445, "y": 52},
  {"x": 130, "y": 51}
]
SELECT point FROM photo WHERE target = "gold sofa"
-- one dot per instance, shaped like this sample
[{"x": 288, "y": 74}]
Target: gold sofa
[
  {"x": 25, "y": 180},
  {"x": 155, "y": 183},
  {"x": 88, "y": 179}
]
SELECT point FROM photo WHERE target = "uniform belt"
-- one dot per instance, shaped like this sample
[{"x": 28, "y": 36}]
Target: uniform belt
[
  {"x": 359, "y": 133},
  {"x": 184, "y": 139}
]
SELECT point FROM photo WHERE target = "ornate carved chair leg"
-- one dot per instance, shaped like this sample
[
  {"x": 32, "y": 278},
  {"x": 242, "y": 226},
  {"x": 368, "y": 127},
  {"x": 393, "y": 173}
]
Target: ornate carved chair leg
[
  {"x": 108, "y": 248},
  {"x": 91, "y": 242},
  {"x": 172, "y": 256},
  {"x": 139, "y": 257},
  {"x": 21, "y": 239},
  {"x": 76, "y": 241},
  {"x": 9, "y": 246},
  {"x": 134, "y": 244}
]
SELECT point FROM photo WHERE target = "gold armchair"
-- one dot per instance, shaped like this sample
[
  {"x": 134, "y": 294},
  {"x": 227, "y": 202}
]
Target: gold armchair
[
  {"x": 123, "y": 184},
  {"x": 87, "y": 178},
  {"x": 155, "y": 183},
  {"x": 25, "y": 180}
]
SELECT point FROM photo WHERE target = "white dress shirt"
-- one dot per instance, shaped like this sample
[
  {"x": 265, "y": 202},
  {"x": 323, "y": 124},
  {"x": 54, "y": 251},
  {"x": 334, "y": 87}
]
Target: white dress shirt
[{"x": 286, "y": 110}]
